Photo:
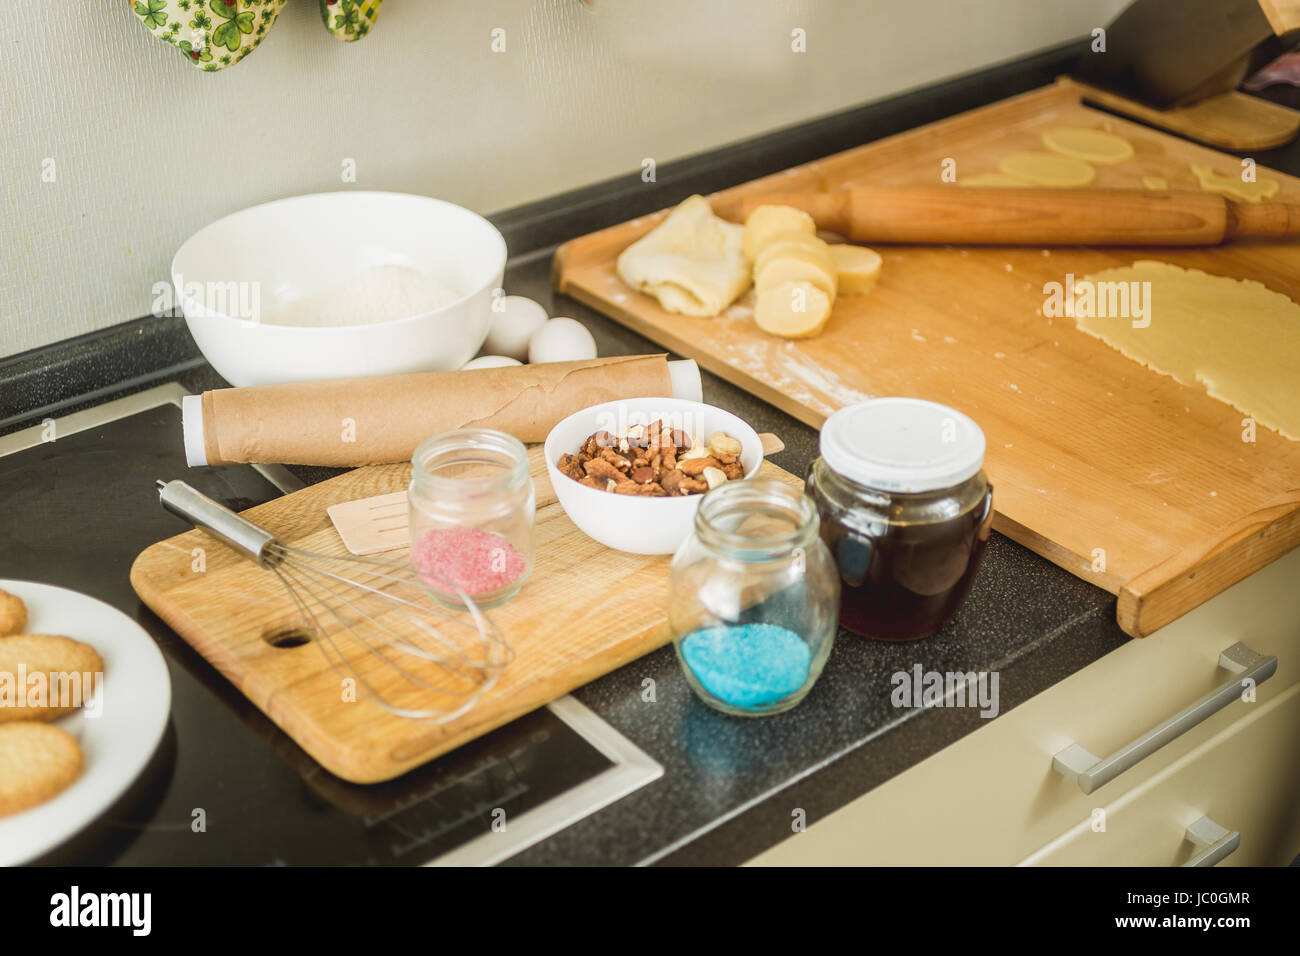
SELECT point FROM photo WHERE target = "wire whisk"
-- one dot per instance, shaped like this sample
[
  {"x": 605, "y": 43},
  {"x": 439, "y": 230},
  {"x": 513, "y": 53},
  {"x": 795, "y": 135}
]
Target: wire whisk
[{"x": 373, "y": 618}]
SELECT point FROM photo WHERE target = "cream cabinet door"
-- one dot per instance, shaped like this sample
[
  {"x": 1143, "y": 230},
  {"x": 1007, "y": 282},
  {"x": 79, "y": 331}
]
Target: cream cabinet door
[{"x": 1246, "y": 779}]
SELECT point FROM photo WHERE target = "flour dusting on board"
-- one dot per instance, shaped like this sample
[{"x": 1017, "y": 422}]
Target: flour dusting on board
[{"x": 783, "y": 366}]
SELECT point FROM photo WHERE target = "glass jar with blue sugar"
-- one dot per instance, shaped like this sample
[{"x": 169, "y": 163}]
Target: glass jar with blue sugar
[{"x": 753, "y": 598}]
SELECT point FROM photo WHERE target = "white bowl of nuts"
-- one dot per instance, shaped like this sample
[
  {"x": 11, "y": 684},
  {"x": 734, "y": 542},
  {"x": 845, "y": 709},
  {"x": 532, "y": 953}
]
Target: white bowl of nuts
[{"x": 631, "y": 473}]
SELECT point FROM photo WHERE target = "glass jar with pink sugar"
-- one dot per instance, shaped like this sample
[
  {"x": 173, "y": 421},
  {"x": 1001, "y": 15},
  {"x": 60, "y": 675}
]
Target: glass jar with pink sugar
[{"x": 472, "y": 511}]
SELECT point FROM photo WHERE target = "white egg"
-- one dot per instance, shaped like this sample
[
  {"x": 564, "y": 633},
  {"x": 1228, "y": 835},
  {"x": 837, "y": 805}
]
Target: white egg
[
  {"x": 512, "y": 328},
  {"x": 561, "y": 340},
  {"x": 490, "y": 361}
]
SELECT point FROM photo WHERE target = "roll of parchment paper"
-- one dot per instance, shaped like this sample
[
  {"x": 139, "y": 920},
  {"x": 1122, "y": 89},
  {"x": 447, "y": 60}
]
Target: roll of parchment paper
[{"x": 366, "y": 421}]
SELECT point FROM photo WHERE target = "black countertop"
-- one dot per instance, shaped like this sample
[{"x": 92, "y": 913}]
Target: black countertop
[{"x": 730, "y": 785}]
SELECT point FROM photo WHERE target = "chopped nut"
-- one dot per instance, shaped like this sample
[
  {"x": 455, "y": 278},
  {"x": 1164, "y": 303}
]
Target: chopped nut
[
  {"x": 695, "y": 466},
  {"x": 734, "y": 470},
  {"x": 615, "y": 459},
  {"x": 723, "y": 444},
  {"x": 697, "y": 485},
  {"x": 600, "y": 468},
  {"x": 569, "y": 465},
  {"x": 672, "y": 481},
  {"x": 591, "y": 481},
  {"x": 714, "y": 477},
  {"x": 643, "y": 475},
  {"x": 681, "y": 439},
  {"x": 698, "y": 451}
]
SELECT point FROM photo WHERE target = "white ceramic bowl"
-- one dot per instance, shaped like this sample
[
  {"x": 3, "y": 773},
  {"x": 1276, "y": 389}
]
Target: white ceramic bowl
[
  {"x": 290, "y": 249},
  {"x": 633, "y": 524}
]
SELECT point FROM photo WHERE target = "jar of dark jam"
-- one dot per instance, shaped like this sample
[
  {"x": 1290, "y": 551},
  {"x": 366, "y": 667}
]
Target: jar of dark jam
[{"x": 905, "y": 510}]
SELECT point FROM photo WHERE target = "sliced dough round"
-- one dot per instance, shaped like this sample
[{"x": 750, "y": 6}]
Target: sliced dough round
[
  {"x": 70, "y": 661},
  {"x": 800, "y": 264},
  {"x": 805, "y": 247},
  {"x": 794, "y": 310},
  {"x": 856, "y": 269},
  {"x": 768, "y": 221},
  {"x": 1092, "y": 145},
  {"x": 1048, "y": 169},
  {"x": 1001, "y": 180},
  {"x": 37, "y": 762}
]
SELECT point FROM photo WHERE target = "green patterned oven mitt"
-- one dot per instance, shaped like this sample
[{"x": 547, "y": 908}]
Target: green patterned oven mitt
[{"x": 214, "y": 34}]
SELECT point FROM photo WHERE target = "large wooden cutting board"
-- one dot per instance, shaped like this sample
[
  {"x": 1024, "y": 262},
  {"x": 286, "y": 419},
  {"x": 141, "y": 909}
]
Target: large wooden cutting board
[
  {"x": 584, "y": 611},
  {"x": 1116, "y": 473}
]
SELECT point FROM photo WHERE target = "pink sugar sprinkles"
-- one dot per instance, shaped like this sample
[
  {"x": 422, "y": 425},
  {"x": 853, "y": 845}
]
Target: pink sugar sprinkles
[{"x": 478, "y": 562}]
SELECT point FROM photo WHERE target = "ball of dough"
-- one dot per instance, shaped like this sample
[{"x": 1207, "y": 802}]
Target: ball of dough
[
  {"x": 13, "y": 614},
  {"x": 490, "y": 361},
  {"x": 561, "y": 340},
  {"x": 514, "y": 326},
  {"x": 1049, "y": 169}
]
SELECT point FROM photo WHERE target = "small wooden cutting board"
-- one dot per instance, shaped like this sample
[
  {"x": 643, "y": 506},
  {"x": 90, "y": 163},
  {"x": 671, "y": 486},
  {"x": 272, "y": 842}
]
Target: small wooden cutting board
[{"x": 583, "y": 612}]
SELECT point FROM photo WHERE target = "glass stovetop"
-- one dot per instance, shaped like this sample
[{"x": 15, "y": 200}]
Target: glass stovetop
[{"x": 75, "y": 511}]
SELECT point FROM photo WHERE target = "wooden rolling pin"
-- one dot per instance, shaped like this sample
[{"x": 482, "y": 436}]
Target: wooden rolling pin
[{"x": 1048, "y": 217}]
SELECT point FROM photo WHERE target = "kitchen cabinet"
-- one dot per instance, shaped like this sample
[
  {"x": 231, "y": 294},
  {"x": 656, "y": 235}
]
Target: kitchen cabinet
[{"x": 993, "y": 796}]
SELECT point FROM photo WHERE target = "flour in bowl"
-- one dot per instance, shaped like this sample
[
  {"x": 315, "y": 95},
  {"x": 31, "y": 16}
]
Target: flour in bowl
[{"x": 379, "y": 294}]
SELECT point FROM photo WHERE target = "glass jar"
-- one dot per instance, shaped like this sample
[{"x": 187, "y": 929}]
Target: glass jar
[
  {"x": 905, "y": 511},
  {"x": 753, "y": 598},
  {"x": 472, "y": 510}
]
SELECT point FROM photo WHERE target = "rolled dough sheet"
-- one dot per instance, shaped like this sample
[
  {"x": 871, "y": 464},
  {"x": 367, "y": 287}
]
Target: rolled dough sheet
[
  {"x": 1237, "y": 338},
  {"x": 1234, "y": 186},
  {"x": 1048, "y": 169},
  {"x": 1092, "y": 145}
]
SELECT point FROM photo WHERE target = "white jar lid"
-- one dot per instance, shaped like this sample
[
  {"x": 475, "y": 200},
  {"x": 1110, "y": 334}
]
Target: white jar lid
[{"x": 902, "y": 444}]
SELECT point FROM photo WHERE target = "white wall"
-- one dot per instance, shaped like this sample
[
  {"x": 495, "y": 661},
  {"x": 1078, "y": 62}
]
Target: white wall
[{"x": 147, "y": 149}]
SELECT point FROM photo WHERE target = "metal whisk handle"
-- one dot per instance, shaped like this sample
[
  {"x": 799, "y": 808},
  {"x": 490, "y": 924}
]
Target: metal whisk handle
[{"x": 201, "y": 511}]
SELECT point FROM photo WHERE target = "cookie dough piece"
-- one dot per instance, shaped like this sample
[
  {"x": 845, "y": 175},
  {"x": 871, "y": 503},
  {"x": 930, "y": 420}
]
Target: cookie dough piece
[
  {"x": 813, "y": 266},
  {"x": 1237, "y": 338},
  {"x": 45, "y": 654},
  {"x": 13, "y": 614},
  {"x": 37, "y": 762},
  {"x": 793, "y": 310},
  {"x": 793, "y": 243},
  {"x": 692, "y": 262},
  {"x": 1234, "y": 186},
  {"x": 998, "y": 180},
  {"x": 766, "y": 222},
  {"x": 1155, "y": 183},
  {"x": 857, "y": 269},
  {"x": 1048, "y": 169},
  {"x": 1091, "y": 145}
]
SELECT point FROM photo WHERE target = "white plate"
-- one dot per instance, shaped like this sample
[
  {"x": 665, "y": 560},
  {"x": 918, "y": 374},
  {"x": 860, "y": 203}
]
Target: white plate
[{"x": 118, "y": 744}]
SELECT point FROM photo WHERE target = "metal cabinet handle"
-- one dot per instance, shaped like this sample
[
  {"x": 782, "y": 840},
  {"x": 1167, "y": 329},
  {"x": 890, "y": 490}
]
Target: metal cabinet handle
[
  {"x": 1215, "y": 842},
  {"x": 1091, "y": 772}
]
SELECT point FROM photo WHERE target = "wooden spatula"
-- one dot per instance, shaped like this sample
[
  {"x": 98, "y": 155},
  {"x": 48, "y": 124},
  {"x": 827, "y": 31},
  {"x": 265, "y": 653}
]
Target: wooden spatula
[
  {"x": 1047, "y": 217},
  {"x": 379, "y": 523}
]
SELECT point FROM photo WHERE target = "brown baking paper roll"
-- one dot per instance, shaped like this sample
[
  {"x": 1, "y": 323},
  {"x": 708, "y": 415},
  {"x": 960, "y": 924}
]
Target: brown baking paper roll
[{"x": 366, "y": 421}]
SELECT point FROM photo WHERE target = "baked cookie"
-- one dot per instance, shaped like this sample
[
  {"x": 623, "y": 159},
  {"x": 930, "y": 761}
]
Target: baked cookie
[
  {"x": 13, "y": 614},
  {"x": 37, "y": 762},
  {"x": 45, "y": 654}
]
